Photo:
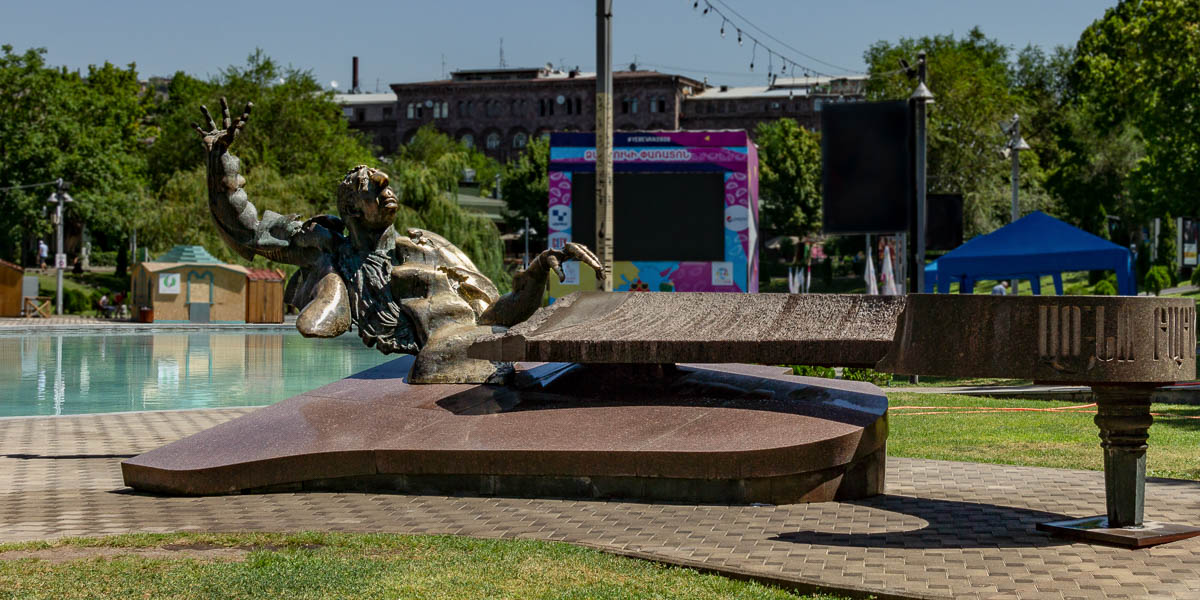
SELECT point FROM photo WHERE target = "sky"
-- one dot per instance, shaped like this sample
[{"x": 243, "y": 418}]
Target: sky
[{"x": 406, "y": 41}]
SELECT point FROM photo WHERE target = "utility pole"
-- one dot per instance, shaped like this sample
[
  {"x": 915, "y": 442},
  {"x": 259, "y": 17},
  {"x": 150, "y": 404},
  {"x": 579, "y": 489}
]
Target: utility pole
[
  {"x": 919, "y": 98},
  {"x": 604, "y": 135},
  {"x": 1016, "y": 144},
  {"x": 59, "y": 198}
]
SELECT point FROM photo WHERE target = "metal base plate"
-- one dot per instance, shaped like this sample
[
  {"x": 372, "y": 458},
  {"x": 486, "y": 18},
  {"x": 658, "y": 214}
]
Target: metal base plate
[{"x": 1096, "y": 529}]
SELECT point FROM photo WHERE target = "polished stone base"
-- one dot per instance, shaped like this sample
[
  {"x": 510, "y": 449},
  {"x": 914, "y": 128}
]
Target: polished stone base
[
  {"x": 712, "y": 433},
  {"x": 1096, "y": 529}
]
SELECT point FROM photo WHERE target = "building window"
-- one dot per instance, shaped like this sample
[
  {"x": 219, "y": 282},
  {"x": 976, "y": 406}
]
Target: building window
[
  {"x": 360, "y": 114},
  {"x": 493, "y": 141},
  {"x": 520, "y": 140},
  {"x": 578, "y": 106},
  {"x": 817, "y": 102},
  {"x": 459, "y": 108},
  {"x": 347, "y": 112},
  {"x": 542, "y": 107},
  {"x": 437, "y": 110},
  {"x": 387, "y": 112},
  {"x": 445, "y": 109},
  {"x": 410, "y": 112},
  {"x": 468, "y": 140},
  {"x": 629, "y": 106}
]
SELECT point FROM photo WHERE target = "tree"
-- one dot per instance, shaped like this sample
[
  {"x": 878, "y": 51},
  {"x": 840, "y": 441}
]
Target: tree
[
  {"x": 427, "y": 171},
  {"x": 298, "y": 128},
  {"x": 789, "y": 159},
  {"x": 87, "y": 130},
  {"x": 525, "y": 187},
  {"x": 1139, "y": 66},
  {"x": 972, "y": 82}
]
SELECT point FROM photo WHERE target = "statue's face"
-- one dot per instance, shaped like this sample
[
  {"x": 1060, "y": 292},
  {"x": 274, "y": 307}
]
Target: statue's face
[{"x": 378, "y": 202}]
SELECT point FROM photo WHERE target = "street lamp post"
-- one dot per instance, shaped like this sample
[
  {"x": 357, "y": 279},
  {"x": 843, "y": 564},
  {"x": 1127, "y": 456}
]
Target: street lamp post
[
  {"x": 59, "y": 198},
  {"x": 919, "y": 98},
  {"x": 1016, "y": 144},
  {"x": 527, "y": 232}
]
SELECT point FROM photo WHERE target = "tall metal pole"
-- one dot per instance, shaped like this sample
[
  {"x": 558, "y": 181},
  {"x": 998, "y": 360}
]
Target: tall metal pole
[
  {"x": 59, "y": 197},
  {"x": 1015, "y": 145},
  {"x": 919, "y": 97},
  {"x": 526, "y": 232},
  {"x": 604, "y": 178}
]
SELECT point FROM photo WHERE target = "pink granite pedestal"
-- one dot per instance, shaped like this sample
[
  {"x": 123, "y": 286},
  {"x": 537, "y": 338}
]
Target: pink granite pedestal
[{"x": 694, "y": 433}]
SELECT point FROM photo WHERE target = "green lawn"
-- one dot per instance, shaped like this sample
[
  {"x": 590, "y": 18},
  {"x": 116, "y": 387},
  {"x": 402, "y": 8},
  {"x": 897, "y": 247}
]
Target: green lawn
[
  {"x": 1074, "y": 283},
  {"x": 328, "y": 565},
  {"x": 1066, "y": 440},
  {"x": 80, "y": 292},
  {"x": 936, "y": 381}
]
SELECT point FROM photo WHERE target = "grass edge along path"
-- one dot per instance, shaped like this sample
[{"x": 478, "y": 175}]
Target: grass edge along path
[
  {"x": 1034, "y": 433},
  {"x": 341, "y": 565}
]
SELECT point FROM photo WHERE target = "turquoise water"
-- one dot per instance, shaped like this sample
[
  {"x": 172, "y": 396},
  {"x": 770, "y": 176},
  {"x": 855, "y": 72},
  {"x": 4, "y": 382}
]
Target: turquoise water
[{"x": 65, "y": 374}]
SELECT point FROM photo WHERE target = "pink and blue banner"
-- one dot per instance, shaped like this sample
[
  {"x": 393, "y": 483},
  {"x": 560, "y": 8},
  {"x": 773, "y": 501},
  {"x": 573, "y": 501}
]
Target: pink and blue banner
[{"x": 729, "y": 153}]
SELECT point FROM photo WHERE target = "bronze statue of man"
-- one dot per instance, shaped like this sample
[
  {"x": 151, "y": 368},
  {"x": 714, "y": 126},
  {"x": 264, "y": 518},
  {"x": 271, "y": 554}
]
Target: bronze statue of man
[{"x": 414, "y": 294}]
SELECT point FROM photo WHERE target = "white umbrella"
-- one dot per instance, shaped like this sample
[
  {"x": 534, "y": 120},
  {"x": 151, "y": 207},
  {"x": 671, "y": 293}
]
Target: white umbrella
[
  {"x": 889, "y": 277},
  {"x": 869, "y": 275}
]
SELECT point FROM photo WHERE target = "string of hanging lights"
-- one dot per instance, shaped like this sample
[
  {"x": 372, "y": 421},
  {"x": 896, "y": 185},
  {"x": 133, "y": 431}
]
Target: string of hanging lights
[{"x": 741, "y": 24}]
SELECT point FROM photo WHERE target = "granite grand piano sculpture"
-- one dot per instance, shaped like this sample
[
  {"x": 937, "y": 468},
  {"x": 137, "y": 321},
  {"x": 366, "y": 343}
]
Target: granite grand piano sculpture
[{"x": 649, "y": 396}]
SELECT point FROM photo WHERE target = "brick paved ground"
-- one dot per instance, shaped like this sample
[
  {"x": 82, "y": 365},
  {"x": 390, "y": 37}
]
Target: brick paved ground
[{"x": 944, "y": 529}]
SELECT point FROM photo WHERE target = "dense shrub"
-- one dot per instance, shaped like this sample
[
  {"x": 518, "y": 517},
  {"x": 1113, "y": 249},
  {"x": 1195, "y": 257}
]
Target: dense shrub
[
  {"x": 868, "y": 375},
  {"x": 811, "y": 371},
  {"x": 1104, "y": 288},
  {"x": 1157, "y": 279}
]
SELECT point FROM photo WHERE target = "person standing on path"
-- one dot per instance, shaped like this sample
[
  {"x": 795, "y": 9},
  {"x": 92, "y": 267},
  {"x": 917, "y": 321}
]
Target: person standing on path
[{"x": 43, "y": 253}]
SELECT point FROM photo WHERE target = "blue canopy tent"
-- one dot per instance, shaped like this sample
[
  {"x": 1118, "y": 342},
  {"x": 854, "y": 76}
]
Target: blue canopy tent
[{"x": 1035, "y": 245}]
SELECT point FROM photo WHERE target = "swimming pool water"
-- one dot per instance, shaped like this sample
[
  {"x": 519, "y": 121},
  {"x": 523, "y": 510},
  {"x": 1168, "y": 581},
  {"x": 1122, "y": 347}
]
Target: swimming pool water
[{"x": 63, "y": 374}]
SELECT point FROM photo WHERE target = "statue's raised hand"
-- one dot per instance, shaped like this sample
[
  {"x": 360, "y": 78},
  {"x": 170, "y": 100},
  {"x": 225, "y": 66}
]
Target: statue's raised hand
[
  {"x": 222, "y": 139},
  {"x": 551, "y": 260}
]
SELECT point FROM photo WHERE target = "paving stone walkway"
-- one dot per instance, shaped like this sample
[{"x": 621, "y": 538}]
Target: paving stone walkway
[{"x": 943, "y": 530}]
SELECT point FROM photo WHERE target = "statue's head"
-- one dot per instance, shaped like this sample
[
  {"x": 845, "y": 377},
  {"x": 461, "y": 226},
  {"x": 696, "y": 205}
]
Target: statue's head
[{"x": 364, "y": 196}]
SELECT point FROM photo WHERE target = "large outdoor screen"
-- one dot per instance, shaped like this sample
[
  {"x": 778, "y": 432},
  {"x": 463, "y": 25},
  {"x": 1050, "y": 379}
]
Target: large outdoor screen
[
  {"x": 943, "y": 221},
  {"x": 656, "y": 216},
  {"x": 867, "y": 177}
]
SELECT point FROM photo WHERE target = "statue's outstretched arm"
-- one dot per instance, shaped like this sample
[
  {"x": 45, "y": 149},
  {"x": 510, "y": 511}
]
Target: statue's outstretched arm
[
  {"x": 277, "y": 237},
  {"x": 528, "y": 285}
]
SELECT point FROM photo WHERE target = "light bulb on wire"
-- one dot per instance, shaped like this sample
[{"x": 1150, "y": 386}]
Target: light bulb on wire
[
  {"x": 706, "y": 7},
  {"x": 722, "y": 28},
  {"x": 739, "y": 37},
  {"x": 753, "y": 53}
]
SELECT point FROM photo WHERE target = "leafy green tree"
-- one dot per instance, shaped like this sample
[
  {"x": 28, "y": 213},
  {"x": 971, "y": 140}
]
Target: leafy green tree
[
  {"x": 1139, "y": 65},
  {"x": 525, "y": 188},
  {"x": 972, "y": 81},
  {"x": 297, "y": 127},
  {"x": 90, "y": 131},
  {"x": 426, "y": 172},
  {"x": 789, "y": 159}
]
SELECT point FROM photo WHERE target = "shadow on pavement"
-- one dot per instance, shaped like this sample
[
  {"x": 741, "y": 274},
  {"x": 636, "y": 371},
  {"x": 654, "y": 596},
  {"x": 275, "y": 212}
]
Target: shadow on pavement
[{"x": 947, "y": 524}]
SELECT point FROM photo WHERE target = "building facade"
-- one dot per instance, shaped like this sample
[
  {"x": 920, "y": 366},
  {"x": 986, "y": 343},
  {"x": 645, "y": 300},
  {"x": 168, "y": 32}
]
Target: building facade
[{"x": 498, "y": 111}]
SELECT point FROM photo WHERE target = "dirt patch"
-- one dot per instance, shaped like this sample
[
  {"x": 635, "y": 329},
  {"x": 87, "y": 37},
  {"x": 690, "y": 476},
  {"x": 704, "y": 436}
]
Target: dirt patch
[{"x": 202, "y": 552}]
